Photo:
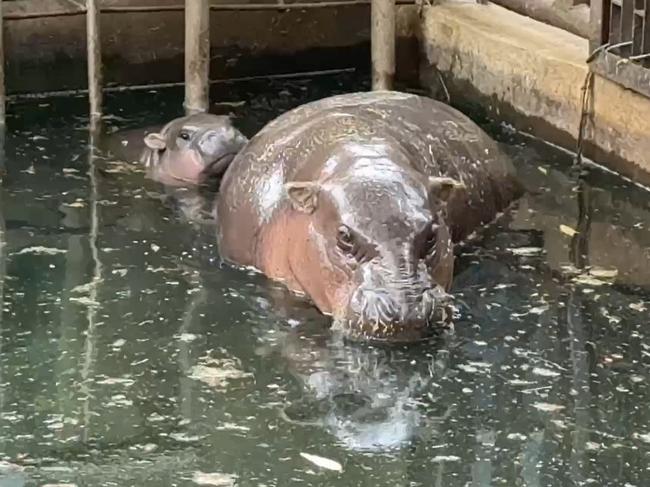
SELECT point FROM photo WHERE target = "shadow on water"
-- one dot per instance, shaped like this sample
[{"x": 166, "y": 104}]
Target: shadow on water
[{"x": 130, "y": 356}]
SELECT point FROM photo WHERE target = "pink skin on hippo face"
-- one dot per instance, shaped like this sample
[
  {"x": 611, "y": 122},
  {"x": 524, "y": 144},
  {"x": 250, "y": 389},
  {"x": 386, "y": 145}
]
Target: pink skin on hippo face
[{"x": 191, "y": 150}]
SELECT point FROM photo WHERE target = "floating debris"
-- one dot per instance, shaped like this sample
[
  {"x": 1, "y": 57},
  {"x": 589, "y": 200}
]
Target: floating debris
[
  {"x": 520, "y": 382},
  {"x": 84, "y": 301},
  {"x": 322, "y": 462},
  {"x": 232, "y": 427},
  {"x": 445, "y": 458},
  {"x": 78, "y": 203},
  {"x": 116, "y": 381},
  {"x": 640, "y": 307},
  {"x": 39, "y": 250},
  {"x": 545, "y": 372},
  {"x": 644, "y": 437},
  {"x": 216, "y": 373},
  {"x": 538, "y": 310},
  {"x": 526, "y": 251},
  {"x": 588, "y": 280},
  {"x": 516, "y": 436},
  {"x": 235, "y": 104},
  {"x": 467, "y": 368},
  {"x": 550, "y": 408},
  {"x": 187, "y": 337},
  {"x": 85, "y": 288},
  {"x": 602, "y": 273},
  {"x": 214, "y": 478},
  {"x": 567, "y": 230}
]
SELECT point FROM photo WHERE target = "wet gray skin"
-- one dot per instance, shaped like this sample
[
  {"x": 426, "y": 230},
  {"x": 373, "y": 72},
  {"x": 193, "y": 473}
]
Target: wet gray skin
[
  {"x": 356, "y": 202},
  {"x": 194, "y": 150}
]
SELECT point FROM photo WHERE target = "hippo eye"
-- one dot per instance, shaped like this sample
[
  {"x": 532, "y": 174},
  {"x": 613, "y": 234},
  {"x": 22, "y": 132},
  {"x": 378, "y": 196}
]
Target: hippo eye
[
  {"x": 344, "y": 239},
  {"x": 184, "y": 135}
]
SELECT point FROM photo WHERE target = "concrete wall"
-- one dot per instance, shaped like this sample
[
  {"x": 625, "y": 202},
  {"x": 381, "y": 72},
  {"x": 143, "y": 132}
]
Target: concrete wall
[{"x": 531, "y": 74}]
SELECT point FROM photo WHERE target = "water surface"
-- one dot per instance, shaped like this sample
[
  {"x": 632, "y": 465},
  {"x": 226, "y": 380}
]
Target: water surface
[{"x": 130, "y": 356}]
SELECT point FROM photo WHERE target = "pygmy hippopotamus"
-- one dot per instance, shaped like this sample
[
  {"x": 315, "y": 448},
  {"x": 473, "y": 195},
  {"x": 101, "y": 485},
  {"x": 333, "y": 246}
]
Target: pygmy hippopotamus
[
  {"x": 194, "y": 150},
  {"x": 356, "y": 201}
]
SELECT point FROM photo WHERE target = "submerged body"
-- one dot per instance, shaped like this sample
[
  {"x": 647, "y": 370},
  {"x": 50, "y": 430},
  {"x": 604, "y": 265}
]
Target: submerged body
[{"x": 356, "y": 200}]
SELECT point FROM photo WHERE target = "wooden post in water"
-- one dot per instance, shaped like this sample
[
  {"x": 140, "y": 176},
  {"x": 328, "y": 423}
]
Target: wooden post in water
[
  {"x": 382, "y": 16},
  {"x": 197, "y": 55},
  {"x": 3, "y": 106},
  {"x": 93, "y": 45},
  {"x": 3, "y": 98}
]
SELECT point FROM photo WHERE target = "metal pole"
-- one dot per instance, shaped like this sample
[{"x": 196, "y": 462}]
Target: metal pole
[
  {"x": 382, "y": 15},
  {"x": 3, "y": 99},
  {"x": 197, "y": 55},
  {"x": 93, "y": 43}
]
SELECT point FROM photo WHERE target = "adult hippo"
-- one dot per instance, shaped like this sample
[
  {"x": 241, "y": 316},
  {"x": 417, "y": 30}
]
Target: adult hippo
[
  {"x": 194, "y": 150},
  {"x": 356, "y": 201}
]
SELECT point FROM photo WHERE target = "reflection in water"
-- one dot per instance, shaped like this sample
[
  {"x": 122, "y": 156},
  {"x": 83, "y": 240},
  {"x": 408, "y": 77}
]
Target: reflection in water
[
  {"x": 95, "y": 279},
  {"x": 130, "y": 356},
  {"x": 3, "y": 267},
  {"x": 3, "y": 156}
]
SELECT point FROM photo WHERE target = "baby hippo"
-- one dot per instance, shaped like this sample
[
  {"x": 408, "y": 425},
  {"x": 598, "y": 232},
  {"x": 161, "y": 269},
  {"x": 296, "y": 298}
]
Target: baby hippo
[{"x": 194, "y": 150}]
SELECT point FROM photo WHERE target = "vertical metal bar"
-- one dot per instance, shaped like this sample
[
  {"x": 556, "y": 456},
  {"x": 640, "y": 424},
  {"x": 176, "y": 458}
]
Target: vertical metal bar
[
  {"x": 3, "y": 99},
  {"x": 637, "y": 27},
  {"x": 645, "y": 46},
  {"x": 197, "y": 55},
  {"x": 614, "y": 23},
  {"x": 382, "y": 17},
  {"x": 598, "y": 33},
  {"x": 93, "y": 44},
  {"x": 627, "y": 24}
]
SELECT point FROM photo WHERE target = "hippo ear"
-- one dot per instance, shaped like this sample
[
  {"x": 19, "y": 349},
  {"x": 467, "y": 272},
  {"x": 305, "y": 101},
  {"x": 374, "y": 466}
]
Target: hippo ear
[
  {"x": 303, "y": 195},
  {"x": 442, "y": 188},
  {"x": 155, "y": 141}
]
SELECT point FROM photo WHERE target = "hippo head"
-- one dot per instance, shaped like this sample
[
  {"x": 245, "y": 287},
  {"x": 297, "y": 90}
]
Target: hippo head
[
  {"x": 193, "y": 150},
  {"x": 377, "y": 254}
]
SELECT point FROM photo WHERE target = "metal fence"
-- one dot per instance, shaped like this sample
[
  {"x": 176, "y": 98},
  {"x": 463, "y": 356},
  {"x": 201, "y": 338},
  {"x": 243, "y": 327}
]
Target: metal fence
[{"x": 620, "y": 42}]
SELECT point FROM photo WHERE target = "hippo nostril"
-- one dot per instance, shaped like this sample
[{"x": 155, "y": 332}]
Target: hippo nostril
[
  {"x": 374, "y": 307},
  {"x": 428, "y": 303},
  {"x": 386, "y": 309}
]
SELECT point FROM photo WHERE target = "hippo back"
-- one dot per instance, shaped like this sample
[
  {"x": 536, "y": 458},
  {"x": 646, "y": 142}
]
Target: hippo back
[{"x": 437, "y": 140}]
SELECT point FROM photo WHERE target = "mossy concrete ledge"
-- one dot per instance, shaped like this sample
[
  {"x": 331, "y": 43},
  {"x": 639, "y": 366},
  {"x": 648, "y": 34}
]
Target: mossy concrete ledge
[{"x": 531, "y": 75}]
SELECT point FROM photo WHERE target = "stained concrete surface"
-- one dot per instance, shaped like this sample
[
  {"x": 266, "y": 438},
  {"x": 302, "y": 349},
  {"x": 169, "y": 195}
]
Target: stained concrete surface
[{"x": 531, "y": 74}]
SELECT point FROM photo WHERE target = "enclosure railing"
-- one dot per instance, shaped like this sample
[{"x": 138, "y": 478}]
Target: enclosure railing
[
  {"x": 197, "y": 41},
  {"x": 619, "y": 33},
  {"x": 620, "y": 42}
]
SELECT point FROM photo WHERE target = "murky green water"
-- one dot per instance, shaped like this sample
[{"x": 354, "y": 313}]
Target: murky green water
[{"x": 130, "y": 357}]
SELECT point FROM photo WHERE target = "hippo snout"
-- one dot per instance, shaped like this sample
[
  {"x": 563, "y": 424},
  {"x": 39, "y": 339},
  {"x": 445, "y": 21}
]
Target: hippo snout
[{"x": 396, "y": 316}]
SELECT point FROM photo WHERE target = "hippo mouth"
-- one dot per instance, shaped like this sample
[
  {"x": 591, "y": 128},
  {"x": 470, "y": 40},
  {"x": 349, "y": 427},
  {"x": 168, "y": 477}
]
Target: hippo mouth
[
  {"x": 215, "y": 169},
  {"x": 399, "y": 332},
  {"x": 188, "y": 170}
]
